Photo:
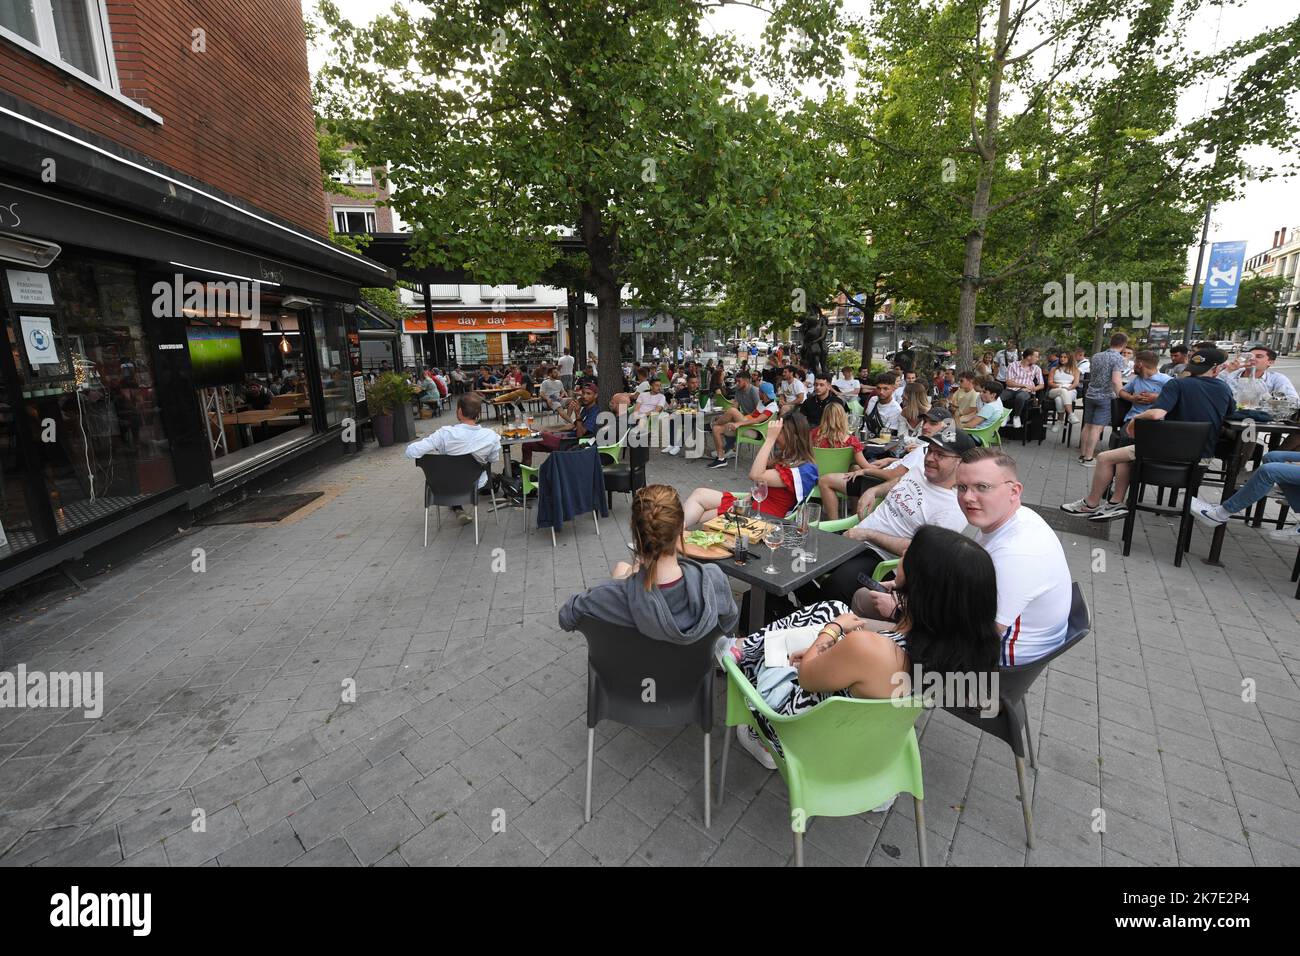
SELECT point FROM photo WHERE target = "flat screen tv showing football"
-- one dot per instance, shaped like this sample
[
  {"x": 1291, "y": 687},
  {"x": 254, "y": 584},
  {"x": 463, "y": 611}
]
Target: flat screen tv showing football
[{"x": 216, "y": 356}]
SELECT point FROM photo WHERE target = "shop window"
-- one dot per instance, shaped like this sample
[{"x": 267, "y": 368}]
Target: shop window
[
  {"x": 19, "y": 528},
  {"x": 331, "y": 338},
  {"x": 89, "y": 395}
]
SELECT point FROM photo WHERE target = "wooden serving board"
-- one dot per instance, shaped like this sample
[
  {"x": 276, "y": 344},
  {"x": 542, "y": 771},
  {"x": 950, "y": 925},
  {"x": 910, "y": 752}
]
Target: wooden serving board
[
  {"x": 757, "y": 528},
  {"x": 704, "y": 554}
]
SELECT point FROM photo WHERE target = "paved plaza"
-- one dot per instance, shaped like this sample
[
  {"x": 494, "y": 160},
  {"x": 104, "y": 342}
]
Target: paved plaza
[{"x": 466, "y": 741}]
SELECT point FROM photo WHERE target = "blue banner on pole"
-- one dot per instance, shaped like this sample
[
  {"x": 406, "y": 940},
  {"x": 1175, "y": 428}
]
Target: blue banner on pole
[{"x": 1224, "y": 275}]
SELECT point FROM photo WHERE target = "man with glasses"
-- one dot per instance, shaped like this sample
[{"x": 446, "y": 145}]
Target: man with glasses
[{"x": 924, "y": 495}]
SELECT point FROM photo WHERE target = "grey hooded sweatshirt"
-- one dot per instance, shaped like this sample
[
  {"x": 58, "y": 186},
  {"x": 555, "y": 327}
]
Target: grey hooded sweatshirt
[{"x": 704, "y": 604}]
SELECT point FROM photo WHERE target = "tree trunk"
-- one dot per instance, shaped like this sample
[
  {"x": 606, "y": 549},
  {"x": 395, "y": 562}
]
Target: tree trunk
[
  {"x": 609, "y": 365},
  {"x": 986, "y": 146},
  {"x": 868, "y": 325}
]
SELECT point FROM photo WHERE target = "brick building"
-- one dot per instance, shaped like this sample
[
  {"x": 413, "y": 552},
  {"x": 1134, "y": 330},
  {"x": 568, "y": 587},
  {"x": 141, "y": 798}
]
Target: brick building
[{"x": 178, "y": 322}]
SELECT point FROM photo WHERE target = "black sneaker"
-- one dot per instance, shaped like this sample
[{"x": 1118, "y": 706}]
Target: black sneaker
[{"x": 718, "y": 463}]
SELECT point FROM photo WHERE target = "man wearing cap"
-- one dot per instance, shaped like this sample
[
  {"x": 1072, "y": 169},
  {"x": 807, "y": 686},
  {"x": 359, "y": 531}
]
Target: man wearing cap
[
  {"x": 1197, "y": 397},
  {"x": 822, "y": 395},
  {"x": 857, "y": 480},
  {"x": 753, "y": 406},
  {"x": 923, "y": 495}
]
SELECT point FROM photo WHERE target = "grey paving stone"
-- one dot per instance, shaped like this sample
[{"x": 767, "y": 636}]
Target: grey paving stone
[
  {"x": 381, "y": 831},
  {"x": 152, "y": 823},
  {"x": 444, "y": 842},
  {"x": 276, "y": 845},
  {"x": 335, "y": 852},
  {"x": 326, "y": 816},
  {"x": 675, "y": 843},
  {"x": 551, "y": 822},
  {"x": 390, "y": 776},
  {"x": 101, "y": 848},
  {"x": 290, "y": 756},
  {"x": 270, "y": 805},
  {"x": 511, "y": 848}
]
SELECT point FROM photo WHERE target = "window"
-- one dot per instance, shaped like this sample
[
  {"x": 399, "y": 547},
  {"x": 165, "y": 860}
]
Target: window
[
  {"x": 444, "y": 293},
  {"x": 71, "y": 32},
  {"x": 510, "y": 293},
  {"x": 354, "y": 220},
  {"x": 349, "y": 173}
]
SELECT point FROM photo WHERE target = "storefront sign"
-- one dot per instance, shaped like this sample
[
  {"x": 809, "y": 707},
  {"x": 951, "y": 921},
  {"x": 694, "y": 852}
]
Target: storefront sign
[
  {"x": 656, "y": 323},
  {"x": 29, "y": 288},
  {"x": 483, "y": 322},
  {"x": 38, "y": 337}
]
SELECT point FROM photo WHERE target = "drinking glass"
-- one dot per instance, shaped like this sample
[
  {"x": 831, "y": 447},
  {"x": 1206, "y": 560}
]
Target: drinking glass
[
  {"x": 758, "y": 492},
  {"x": 775, "y": 538},
  {"x": 812, "y": 516}
]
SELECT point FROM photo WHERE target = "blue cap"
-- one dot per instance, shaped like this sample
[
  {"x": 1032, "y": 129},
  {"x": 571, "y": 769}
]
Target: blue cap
[{"x": 768, "y": 390}]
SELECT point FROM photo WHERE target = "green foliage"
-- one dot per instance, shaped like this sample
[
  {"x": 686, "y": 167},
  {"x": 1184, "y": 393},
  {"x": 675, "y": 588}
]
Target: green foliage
[
  {"x": 388, "y": 301},
  {"x": 387, "y": 392},
  {"x": 850, "y": 357}
]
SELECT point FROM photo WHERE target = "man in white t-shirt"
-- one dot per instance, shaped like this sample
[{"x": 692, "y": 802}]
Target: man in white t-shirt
[
  {"x": 792, "y": 391},
  {"x": 466, "y": 437},
  {"x": 652, "y": 399},
  {"x": 923, "y": 496},
  {"x": 847, "y": 385},
  {"x": 1034, "y": 585}
]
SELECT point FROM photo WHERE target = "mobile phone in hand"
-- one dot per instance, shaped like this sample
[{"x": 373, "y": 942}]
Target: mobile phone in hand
[{"x": 867, "y": 581}]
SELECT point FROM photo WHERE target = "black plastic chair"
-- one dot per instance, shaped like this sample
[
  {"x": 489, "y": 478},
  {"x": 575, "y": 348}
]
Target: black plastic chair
[
  {"x": 452, "y": 480},
  {"x": 1011, "y": 722},
  {"x": 1168, "y": 455},
  {"x": 1119, "y": 407},
  {"x": 627, "y": 476},
  {"x": 641, "y": 682}
]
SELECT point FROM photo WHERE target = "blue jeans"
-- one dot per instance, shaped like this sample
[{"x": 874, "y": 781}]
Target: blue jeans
[{"x": 1281, "y": 468}]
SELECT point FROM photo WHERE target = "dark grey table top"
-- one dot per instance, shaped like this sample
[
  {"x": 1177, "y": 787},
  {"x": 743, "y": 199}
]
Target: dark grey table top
[{"x": 832, "y": 551}]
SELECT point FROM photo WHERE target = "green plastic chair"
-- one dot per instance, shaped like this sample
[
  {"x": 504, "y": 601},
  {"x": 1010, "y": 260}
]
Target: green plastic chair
[
  {"x": 842, "y": 758},
  {"x": 718, "y": 401},
  {"x": 528, "y": 479},
  {"x": 988, "y": 435},
  {"x": 760, "y": 430},
  {"x": 884, "y": 567},
  {"x": 831, "y": 461},
  {"x": 855, "y": 407},
  {"x": 839, "y": 524}
]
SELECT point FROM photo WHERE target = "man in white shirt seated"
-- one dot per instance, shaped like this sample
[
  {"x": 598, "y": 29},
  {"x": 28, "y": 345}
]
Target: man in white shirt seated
[
  {"x": 923, "y": 496},
  {"x": 1034, "y": 584},
  {"x": 1257, "y": 365},
  {"x": 651, "y": 400},
  {"x": 466, "y": 437},
  {"x": 847, "y": 385},
  {"x": 792, "y": 391}
]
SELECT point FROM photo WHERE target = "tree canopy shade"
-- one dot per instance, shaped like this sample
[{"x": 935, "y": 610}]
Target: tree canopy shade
[
  {"x": 1026, "y": 140},
  {"x": 630, "y": 123}
]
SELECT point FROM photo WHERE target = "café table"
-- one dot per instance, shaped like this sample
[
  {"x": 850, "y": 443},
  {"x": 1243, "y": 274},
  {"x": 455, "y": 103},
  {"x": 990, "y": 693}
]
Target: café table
[
  {"x": 832, "y": 551},
  {"x": 1235, "y": 432}
]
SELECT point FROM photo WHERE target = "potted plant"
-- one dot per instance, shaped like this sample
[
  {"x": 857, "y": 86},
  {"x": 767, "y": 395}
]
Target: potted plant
[{"x": 386, "y": 394}]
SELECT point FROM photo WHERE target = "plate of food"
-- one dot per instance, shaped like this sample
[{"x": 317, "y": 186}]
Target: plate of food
[{"x": 706, "y": 545}]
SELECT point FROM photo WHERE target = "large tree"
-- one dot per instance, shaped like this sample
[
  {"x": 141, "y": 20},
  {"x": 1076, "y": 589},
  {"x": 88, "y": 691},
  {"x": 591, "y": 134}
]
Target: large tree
[
  {"x": 1040, "y": 138},
  {"x": 631, "y": 125}
]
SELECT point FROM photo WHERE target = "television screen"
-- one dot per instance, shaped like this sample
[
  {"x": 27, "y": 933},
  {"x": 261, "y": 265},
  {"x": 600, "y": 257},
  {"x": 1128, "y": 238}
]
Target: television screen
[{"x": 215, "y": 355}]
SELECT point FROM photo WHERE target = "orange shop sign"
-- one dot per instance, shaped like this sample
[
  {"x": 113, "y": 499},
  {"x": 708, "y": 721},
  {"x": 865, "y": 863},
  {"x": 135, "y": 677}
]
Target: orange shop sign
[{"x": 485, "y": 321}]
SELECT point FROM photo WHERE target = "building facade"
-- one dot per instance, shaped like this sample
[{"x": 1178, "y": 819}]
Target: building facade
[
  {"x": 177, "y": 321},
  {"x": 1281, "y": 258}
]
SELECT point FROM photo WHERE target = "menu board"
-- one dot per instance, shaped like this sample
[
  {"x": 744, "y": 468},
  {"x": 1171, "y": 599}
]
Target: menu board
[{"x": 359, "y": 388}]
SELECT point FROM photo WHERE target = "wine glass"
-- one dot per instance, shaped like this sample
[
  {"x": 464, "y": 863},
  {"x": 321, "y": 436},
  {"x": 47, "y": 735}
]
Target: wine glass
[
  {"x": 774, "y": 539},
  {"x": 758, "y": 492}
]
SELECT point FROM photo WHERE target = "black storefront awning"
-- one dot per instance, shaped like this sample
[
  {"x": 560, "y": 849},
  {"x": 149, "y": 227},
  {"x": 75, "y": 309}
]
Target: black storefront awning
[{"x": 110, "y": 198}]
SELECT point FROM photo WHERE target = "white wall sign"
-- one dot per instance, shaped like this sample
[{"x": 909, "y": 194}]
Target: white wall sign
[
  {"x": 29, "y": 288},
  {"x": 38, "y": 338},
  {"x": 359, "y": 388}
]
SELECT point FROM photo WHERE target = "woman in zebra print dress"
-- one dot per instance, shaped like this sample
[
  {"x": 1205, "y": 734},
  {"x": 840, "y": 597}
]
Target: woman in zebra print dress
[{"x": 947, "y": 592}]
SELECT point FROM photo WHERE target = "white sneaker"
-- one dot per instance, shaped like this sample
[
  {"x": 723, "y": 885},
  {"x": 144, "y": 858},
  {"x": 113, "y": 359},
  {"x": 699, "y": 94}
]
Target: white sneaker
[
  {"x": 1056, "y": 426},
  {"x": 1286, "y": 535},
  {"x": 1108, "y": 511},
  {"x": 1080, "y": 507},
  {"x": 671, "y": 450},
  {"x": 1207, "y": 514},
  {"x": 750, "y": 743},
  {"x": 1015, "y": 421}
]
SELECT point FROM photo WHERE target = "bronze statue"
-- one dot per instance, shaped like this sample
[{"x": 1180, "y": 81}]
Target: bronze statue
[{"x": 813, "y": 348}]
